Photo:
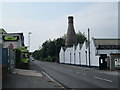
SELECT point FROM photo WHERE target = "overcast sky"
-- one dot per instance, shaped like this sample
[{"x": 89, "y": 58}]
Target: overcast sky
[{"x": 49, "y": 20}]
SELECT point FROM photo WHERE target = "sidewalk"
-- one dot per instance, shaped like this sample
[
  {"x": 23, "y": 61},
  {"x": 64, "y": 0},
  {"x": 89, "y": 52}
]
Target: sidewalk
[
  {"x": 22, "y": 78},
  {"x": 115, "y": 73}
]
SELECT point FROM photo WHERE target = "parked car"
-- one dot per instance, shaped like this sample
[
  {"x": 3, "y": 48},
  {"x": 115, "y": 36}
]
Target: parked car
[{"x": 32, "y": 59}]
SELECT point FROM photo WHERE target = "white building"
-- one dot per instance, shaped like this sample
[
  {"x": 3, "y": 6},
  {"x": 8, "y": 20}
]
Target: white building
[
  {"x": 100, "y": 52},
  {"x": 105, "y": 48},
  {"x": 62, "y": 55}
]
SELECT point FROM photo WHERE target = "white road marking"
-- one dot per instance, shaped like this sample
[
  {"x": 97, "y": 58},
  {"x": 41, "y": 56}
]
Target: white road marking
[
  {"x": 103, "y": 79},
  {"x": 84, "y": 74},
  {"x": 52, "y": 79},
  {"x": 107, "y": 80}
]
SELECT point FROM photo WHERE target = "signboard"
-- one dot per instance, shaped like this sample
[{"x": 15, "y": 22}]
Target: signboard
[
  {"x": 23, "y": 49},
  {"x": 108, "y": 47},
  {"x": 10, "y": 38}
]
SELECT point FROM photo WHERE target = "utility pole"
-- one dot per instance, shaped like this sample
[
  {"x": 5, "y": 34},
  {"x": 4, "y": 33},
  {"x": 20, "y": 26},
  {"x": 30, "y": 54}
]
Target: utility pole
[{"x": 89, "y": 45}]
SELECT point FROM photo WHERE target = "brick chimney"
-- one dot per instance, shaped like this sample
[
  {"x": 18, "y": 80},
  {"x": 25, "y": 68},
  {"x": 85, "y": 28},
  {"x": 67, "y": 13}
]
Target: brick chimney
[{"x": 71, "y": 38}]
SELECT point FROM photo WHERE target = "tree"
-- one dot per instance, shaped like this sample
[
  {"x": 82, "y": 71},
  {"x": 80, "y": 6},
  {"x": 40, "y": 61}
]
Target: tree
[
  {"x": 36, "y": 54},
  {"x": 81, "y": 37},
  {"x": 51, "y": 48}
]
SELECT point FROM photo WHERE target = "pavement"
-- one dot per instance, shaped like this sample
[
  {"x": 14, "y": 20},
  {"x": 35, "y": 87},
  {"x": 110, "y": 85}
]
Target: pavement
[
  {"x": 31, "y": 78},
  {"x": 115, "y": 73}
]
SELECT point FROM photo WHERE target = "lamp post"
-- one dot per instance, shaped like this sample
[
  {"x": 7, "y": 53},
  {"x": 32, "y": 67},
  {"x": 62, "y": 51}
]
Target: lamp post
[{"x": 29, "y": 40}]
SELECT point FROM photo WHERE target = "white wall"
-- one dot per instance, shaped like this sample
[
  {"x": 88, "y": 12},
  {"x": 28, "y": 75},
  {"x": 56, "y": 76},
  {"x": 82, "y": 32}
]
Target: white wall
[
  {"x": 78, "y": 56},
  {"x": 73, "y": 58},
  {"x": 94, "y": 61},
  {"x": 73, "y": 55},
  {"x": 61, "y": 56},
  {"x": 83, "y": 54},
  {"x": 68, "y": 55}
]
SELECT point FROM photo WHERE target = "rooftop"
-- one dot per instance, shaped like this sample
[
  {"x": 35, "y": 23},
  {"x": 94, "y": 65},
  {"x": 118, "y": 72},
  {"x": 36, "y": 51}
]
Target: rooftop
[{"x": 106, "y": 41}]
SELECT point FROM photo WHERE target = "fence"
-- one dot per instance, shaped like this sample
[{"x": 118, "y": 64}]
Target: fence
[
  {"x": 5, "y": 57},
  {"x": 8, "y": 59}
]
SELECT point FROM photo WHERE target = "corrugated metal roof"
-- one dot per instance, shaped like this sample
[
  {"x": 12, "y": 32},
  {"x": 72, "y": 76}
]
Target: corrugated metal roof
[{"x": 106, "y": 41}]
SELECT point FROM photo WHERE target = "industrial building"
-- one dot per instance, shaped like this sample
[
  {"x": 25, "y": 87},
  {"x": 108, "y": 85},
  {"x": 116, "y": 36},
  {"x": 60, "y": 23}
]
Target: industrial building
[{"x": 101, "y": 53}]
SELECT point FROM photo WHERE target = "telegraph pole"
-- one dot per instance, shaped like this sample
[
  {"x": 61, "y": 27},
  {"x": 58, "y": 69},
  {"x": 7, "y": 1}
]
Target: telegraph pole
[{"x": 89, "y": 45}]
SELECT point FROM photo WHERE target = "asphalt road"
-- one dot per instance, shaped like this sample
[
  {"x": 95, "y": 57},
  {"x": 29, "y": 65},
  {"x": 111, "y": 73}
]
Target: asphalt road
[{"x": 76, "y": 77}]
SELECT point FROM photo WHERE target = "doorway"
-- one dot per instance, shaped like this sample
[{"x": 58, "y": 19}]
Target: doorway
[{"x": 103, "y": 62}]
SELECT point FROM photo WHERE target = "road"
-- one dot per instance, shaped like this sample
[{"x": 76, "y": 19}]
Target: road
[{"x": 76, "y": 77}]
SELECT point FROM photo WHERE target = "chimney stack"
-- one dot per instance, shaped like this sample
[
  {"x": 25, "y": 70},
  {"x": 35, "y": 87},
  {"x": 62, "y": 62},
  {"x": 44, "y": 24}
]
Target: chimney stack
[{"x": 71, "y": 38}]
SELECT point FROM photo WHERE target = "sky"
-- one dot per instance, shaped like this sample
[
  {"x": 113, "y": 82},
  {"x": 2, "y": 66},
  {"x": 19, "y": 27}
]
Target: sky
[{"x": 49, "y": 20}]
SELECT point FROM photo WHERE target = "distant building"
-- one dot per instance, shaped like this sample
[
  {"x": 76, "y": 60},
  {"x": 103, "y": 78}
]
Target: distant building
[
  {"x": 104, "y": 52},
  {"x": 106, "y": 49},
  {"x": 15, "y": 40}
]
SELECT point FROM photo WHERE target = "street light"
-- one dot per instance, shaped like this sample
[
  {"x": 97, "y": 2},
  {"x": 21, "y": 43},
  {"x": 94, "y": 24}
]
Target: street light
[{"x": 29, "y": 40}]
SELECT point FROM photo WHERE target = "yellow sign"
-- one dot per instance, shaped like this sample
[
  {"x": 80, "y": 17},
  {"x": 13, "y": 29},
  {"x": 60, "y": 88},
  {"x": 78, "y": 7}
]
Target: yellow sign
[
  {"x": 10, "y": 38},
  {"x": 23, "y": 49}
]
